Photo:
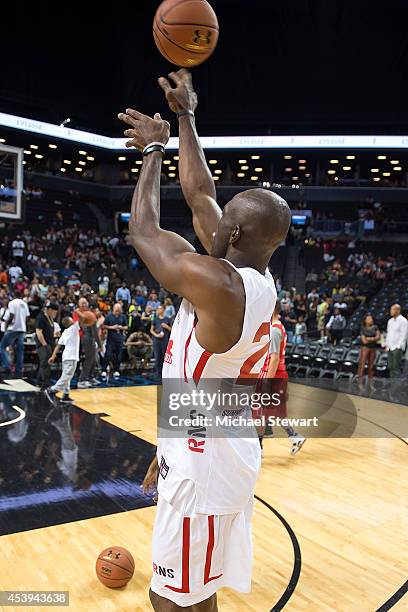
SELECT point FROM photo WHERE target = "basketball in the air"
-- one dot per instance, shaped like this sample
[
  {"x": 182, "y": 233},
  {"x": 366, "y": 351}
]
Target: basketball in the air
[
  {"x": 115, "y": 567},
  {"x": 185, "y": 31}
]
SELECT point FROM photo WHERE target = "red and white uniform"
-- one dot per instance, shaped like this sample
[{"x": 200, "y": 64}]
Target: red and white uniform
[
  {"x": 202, "y": 533},
  {"x": 279, "y": 383}
]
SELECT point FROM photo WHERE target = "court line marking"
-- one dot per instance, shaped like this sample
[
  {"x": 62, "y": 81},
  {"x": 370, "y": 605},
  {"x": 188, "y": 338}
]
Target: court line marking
[
  {"x": 297, "y": 560},
  {"x": 394, "y": 598},
  {"x": 21, "y": 416}
]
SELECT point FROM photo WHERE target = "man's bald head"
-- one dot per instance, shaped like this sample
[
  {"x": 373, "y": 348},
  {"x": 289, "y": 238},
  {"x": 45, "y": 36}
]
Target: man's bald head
[{"x": 254, "y": 222}]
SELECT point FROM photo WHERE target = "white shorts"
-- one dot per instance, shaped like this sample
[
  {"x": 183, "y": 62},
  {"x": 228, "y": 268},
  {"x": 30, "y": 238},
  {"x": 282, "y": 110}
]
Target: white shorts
[{"x": 194, "y": 555}]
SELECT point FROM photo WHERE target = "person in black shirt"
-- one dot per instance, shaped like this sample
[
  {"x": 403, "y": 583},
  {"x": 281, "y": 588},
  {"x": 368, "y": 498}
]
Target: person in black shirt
[
  {"x": 116, "y": 324},
  {"x": 160, "y": 330},
  {"x": 44, "y": 338},
  {"x": 369, "y": 335}
]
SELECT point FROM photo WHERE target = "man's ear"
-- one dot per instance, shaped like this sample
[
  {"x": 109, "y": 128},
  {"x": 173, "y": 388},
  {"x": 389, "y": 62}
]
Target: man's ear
[{"x": 235, "y": 234}]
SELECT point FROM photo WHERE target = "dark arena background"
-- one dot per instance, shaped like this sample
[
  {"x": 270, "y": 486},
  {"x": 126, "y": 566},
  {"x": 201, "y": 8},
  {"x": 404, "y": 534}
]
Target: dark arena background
[{"x": 307, "y": 99}]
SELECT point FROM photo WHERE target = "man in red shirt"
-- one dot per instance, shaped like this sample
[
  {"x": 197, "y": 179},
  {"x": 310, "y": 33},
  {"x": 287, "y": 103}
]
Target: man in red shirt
[{"x": 274, "y": 379}]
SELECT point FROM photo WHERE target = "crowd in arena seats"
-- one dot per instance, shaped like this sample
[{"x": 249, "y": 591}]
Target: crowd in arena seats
[{"x": 64, "y": 269}]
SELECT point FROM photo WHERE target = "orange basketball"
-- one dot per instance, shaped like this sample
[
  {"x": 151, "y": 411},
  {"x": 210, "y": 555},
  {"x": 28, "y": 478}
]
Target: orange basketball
[
  {"x": 88, "y": 318},
  {"x": 185, "y": 31},
  {"x": 115, "y": 567}
]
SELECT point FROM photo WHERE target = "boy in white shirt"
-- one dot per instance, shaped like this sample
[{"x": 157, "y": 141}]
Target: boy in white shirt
[{"x": 69, "y": 339}]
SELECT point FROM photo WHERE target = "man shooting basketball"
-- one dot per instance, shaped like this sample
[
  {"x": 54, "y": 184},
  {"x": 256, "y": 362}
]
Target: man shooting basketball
[{"x": 202, "y": 532}]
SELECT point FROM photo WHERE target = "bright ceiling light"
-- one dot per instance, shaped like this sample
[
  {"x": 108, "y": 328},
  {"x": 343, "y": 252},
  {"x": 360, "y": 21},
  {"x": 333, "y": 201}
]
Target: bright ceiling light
[
  {"x": 24, "y": 162},
  {"x": 301, "y": 161},
  {"x": 52, "y": 146},
  {"x": 79, "y": 169},
  {"x": 33, "y": 147},
  {"x": 287, "y": 157},
  {"x": 288, "y": 169},
  {"x": 350, "y": 157},
  {"x": 255, "y": 157},
  {"x": 258, "y": 169},
  {"x": 66, "y": 161},
  {"x": 334, "y": 161},
  {"x": 381, "y": 157},
  {"x": 394, "y": 162},
  {"x": 39, "y": 156},
  {"x": 242, "y": 161},
  {"x": 139, "y": 162},
  {"x": 386, "y": 173},
  {"x": 166, "y": 162},
  {"x": 295, "y": 178},
  {"x": 397, "y": 168},
  {"x": 217, "y": 171},
  {"x": 254, "y": 178},
  {"x": 122, "y": 158},
  {"x": 212, "y": 161},
  {"x": 135, "y": 170},
  {"x": 82, "y": 152},
  {"x": 176, "y": 158},
  {"x": 375, "y": 170},
  {"x": 346, "y": 168},
  {"x": 307, "y": 175},
  {"x": 302, "y": 167},
  {"x": 27, "y": 152},
  {"x": 241, "y": 174},
  {"x": 63, "y": 169},
  {"x": 2, "y": 140},
  {"x": 331, "y": 172},
  {"x": 172, "y": 168},
  {"x": 376, "y": 178},
  {"x": 244, "y": 167},
  {"x": 90, "y": 158},
  {"x": 216, "y": 178},
  {"x": 82, "y": 163},
  {"x": 171, "y": 174}
]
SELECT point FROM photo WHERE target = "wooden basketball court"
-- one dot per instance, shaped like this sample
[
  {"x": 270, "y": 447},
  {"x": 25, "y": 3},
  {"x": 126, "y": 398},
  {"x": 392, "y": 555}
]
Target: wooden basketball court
[{"x": 330, "y": 525}]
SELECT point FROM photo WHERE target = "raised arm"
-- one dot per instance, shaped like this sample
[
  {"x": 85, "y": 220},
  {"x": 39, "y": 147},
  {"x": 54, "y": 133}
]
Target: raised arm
[
  {"x": 195, "y": 177},
  {"x": 170, "y": 259}
]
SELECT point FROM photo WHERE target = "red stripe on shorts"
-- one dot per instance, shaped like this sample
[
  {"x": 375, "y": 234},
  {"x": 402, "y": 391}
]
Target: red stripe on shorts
[
  {"x": 185, "y": 560},
  {"x": 210, "y": 548}
]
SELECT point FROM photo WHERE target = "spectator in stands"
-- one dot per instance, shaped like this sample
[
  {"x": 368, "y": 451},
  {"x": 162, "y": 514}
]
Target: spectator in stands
[
  {"x": 336, "y": 326},
  {"x": 123, "y": 295},
  {"x": 90, "y": 344},
  {"x": 396, "y": 341},
  {"x": 169, "y": 310},
  {"x": 160, "y": 330},
  {"x": 70, "y": 340},
  {"x": 153, "y": 301},
  {"x": 369, "y": 336},
  {"x": 3, "y": 310},
  {"x": 322, "y": 310},
  {"x": 3, "y": 276},
  {"x": 18, "y": 247},
  {"x": 15, "y": 330},
  {"x": 44, "y": 337},
  {"x": 300, "y": 330},
  {"x": 139, "y": 346},
  {"x": 116, "y": 324},
  {"x": 141, "y": 288},
  {"x": 14, "y": 271}
]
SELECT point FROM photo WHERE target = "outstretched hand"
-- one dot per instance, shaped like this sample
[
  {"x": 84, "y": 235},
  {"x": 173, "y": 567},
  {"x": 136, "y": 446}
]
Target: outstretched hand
[
  {"x": 144, "y": 129},
  {"x": 182, "y": 96}
]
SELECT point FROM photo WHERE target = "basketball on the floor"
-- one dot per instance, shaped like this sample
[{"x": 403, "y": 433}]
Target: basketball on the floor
[
  {"x": 115, "y": 567},
  {"x": 185, "y": 31},
  {"x": 88, "y": 318}
]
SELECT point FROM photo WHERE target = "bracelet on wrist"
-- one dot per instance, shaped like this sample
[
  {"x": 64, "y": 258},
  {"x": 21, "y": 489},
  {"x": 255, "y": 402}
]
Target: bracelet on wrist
[
  {"x": 185, "y": 112},
  {"x": 152, "y": 147}
]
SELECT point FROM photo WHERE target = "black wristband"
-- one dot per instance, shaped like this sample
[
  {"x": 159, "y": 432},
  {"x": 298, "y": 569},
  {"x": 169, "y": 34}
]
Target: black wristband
[
  {"x": 185, "y": 112},
  {"x": 152, "y": 148}
]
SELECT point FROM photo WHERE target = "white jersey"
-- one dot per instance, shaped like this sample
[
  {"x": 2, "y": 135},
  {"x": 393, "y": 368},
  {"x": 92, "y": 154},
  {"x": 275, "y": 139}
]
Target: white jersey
[{"x": 223, "y": 469}]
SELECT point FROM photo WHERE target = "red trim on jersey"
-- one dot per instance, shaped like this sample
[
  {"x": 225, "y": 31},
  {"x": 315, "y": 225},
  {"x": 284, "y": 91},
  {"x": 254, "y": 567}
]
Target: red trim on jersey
[
  {"x": 185, "y": 352},
  {"x": 210, "y": 548},
  {"x": 202, "y": 362},
  {"x": 185, "y": 560}
]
